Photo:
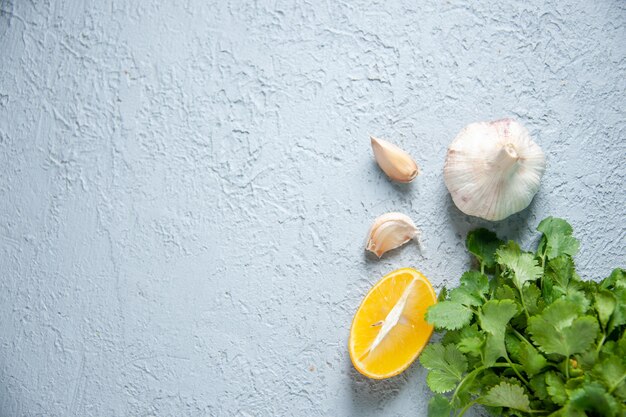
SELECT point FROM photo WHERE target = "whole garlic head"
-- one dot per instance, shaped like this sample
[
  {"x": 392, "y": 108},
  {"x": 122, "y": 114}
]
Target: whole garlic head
[{"x": 493, "y": 169}]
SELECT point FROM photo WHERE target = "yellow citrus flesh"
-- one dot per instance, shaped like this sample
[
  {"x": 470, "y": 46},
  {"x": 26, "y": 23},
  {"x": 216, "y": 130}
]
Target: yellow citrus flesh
[{"x": 389, "y": 330}]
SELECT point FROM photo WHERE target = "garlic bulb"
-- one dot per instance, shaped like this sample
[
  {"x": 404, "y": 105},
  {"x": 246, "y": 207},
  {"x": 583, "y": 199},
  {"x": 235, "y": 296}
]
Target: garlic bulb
[
  {"x": 390, "y": 231},
  {"x": 493, "y": 169},
  {"x": 397, "y": 164}
]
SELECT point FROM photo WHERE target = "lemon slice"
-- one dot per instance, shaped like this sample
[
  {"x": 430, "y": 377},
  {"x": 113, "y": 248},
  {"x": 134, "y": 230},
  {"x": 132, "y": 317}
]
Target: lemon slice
[{"x": 389, "y": 330}]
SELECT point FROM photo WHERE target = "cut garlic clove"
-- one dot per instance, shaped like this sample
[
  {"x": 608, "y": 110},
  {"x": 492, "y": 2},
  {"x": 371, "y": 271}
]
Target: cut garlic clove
[
  {"x": 397, "y": 164},
  {"x": 493, "y": 169},
  {"x": 390, "y": 231}
]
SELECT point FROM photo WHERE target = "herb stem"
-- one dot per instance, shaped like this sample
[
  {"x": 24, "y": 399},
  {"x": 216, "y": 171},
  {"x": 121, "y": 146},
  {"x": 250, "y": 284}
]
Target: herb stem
[
  {"x": 496, "y": 275},
  {"x": 521, "y": 294},
  {"x": 601, "y": 343},
  {"x": 619, "y": 381},
  {"x": 516, "y": 372},
  {"x": 543, "y": 270},
  {"x": 474, "y": 373},
  {"x": 467, "y": 406},
  {"x": 521, "y": 336}
]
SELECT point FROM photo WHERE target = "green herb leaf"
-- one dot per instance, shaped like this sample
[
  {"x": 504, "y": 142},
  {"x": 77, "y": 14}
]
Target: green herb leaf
[
  {"x": 561, "y": 313},
  {"x": 557, "y": 238},
  {"x": 621, "y": 344},
  {"x": 475, "y": 282},
  {"x": 563, "y": 338},
  {"x": 493, "y": 349},
  {"x": 448, "y": 315},
  {"x": 443, "y": 294},
  {"x": 439, "y": 406},
  {"x": 612, "y": 372},
  {"x": 556, "y": 388},
  {"x": 496, "y": 314},
  {"x": 523, "y": 265},
  {"x": 619, "y": 315},
  {"x": 539, "y": 387},
  {"x": 470, "y": 340},
  {"x": 493, "y": 319},
  {"x": 579, "y": 298},
  {"x": 569, "y": 411},
  {"x": 488, "y": 380},
  {"x": 594, "y": 398},
  {"x": 513, "y": 346},
  {"x": 505, "y": 292},
  {"x": 605, "y": 303},
  {"x": 483, "y": 244},
  {"x": 531, "y": 298},
  {"x": 507, "y": 395},
  {"x": 466, "y": 297},
  {"x": 451, "y": 337},
  {"x": 587, "y": 359},
  {"x": 532, "y": 361},
  {"x": 446, "y": 364},
  {"x": 617, "y": 279},
  {"x": 560, "y": 271}
]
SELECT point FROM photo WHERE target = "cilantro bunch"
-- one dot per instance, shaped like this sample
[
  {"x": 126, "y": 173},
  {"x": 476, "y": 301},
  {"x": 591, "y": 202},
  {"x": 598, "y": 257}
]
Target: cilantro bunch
[{"x": 525, "y": 335}]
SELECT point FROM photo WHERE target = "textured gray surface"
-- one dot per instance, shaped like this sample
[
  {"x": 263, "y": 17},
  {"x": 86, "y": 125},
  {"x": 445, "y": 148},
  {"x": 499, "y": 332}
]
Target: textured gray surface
[{"x": 185, "y": 188}]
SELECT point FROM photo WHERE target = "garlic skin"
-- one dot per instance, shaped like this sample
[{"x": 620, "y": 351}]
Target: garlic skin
[
  {"x": 390, "y": 231},
  {"x": 493, "y": 169},
  {"x": 397, "y": 164}
]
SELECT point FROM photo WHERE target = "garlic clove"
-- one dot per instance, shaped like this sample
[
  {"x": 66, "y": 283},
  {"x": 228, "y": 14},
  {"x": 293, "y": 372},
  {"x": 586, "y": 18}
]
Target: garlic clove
[
  {"x": 493, "y": 169},
  {"x": 390, "y": 231},
  {"x": 397, "y": 164}
]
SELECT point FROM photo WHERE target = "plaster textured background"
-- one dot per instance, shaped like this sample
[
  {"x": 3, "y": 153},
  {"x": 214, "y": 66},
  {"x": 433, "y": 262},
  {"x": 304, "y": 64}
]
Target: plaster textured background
[{"x": 186, "y": 186}]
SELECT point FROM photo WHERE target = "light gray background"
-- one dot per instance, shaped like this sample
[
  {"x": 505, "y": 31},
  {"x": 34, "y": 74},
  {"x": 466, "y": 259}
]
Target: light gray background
[{"x": 186, "y": 186}]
